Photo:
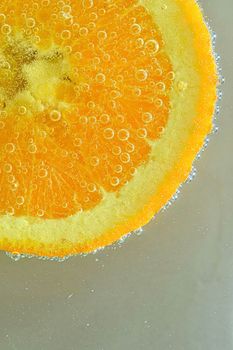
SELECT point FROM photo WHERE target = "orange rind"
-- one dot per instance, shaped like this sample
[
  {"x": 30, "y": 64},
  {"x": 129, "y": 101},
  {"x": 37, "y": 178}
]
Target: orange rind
[{"x": 104, "y": 105}]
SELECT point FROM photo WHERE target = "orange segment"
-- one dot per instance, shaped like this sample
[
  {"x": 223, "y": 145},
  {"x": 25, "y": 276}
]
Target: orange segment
[{"x": 100, "y": 107}]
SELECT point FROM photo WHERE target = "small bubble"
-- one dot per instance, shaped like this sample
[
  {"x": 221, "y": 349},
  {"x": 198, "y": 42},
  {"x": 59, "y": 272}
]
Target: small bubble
[
  {"x": 141, "y": 74},
  {"x": 108, "y": 133},
  {"x": 6, "y": 29},
  {"x": 135, "y": 29},
  {"x": 123, "y": 134},
  {"x": 161, "y": 86},
  {"x": 2, "y": 125},
  {"x": 94, "y": 161},
  {"x": 125, "y": 157},
  {"x": 32, "y": 148},
  {"x": 83, "y": 31},
  {"x": 102, "y": 35},
  {"x": 91, "y": 187},
  {"x": 104, "y": 118},
  {"x": 20, "y": 200},
  {"x": 30, "y": 22},
  {"x": 43, "y": 173},
  {"x": 10, "y": 211},
  {"x": 65, "y": 34},
  {"x": 87, "y": 4},
  {"x": 152, "y": 45},
  {"x": 142, "y": 133},
  {"x": 40, "y": 212},
  {"x": 116, "y": 150},
  {"x": 7, "y": 168},
  {"x": 118, "y": 169},
  {"x": 133, "y": 171},
  {"x": 100, "y": 78},
  {"x": 10, "y": 147},
  {"x": 115, "y": 181},
  {"x": 130, "y": 147},
  {"x": 147, "y": 117},
  {"x": 55, "y": 115},
  {"x": 22, "y": 110},
  {"x": 140, "y": 43},
  {"x": 11, "y": 179}
]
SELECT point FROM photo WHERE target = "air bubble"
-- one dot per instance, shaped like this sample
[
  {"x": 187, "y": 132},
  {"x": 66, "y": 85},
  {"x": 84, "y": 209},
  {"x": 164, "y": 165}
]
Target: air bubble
[
  {"x": 135, "y": 29},
  {"x": 43, "y": 173},
  {"x": 7, "y": 168},
  {"x": 147, "y": 117},
  {"x": 142, "y": 133},
  {"x": 123, "y": 134},
  {"x": 87, "y": 4},
  {"x": 22, "y": 110},
  {"x": 55, "y": 115},
  {"x": 118, "y": 169},
  {"x": 65, "y": 35},
  {"x": 20, "y": 200},
  {"x": 100, "y": 78},
  {"x": 94, "y": 161},
  {"x": 108, "y": 133},
  {"x": 40, "y": 212},
  {"x": 10, "y": 147},
  {"x": 141, "y": 74},
  {"x": 30, "y": 22},
  {"x": 104, "y": 118},
  {"x": 91, "y": 187},
  {"x": 102, "y": 35},
  {"x": 116, "y": 150},
  {"x": 32, "y": 148},
  {"x": 6, "y": 29},
  {"x": 115, "y": 181},
  {"x": 125, "y": 157},
  {"x": 152, "y": 45},
  {"x": 83, "y": 31}
]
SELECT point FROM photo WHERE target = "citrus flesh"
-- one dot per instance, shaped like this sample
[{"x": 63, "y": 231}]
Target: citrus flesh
[{"x": 103, "y": 108}]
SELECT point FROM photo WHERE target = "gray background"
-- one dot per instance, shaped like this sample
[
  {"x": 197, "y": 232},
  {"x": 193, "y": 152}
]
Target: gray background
[{"x": 170, "y": 288}]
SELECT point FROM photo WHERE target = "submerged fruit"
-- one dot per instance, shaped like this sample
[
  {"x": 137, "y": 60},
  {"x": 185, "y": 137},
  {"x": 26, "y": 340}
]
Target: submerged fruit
[{"x": 103, "y": 107}]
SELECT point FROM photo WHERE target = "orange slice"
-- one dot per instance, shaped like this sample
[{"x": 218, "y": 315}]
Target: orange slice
[{"x": 104, "y": 105}]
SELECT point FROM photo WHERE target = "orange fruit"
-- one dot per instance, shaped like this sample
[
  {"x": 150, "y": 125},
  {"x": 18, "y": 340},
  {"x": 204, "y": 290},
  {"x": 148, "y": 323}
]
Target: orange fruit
[{"x": 104, "y": 105}]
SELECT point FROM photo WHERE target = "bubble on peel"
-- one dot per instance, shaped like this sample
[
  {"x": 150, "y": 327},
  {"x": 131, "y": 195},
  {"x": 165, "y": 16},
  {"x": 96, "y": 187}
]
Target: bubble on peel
[
  {"x": 141, "y": 75},
  {"x": 115, "y": 181},
  {"x": 10, "y": 147},
  {"x": 55, "y": 115},
  {"x": 108, "y": 133}
]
